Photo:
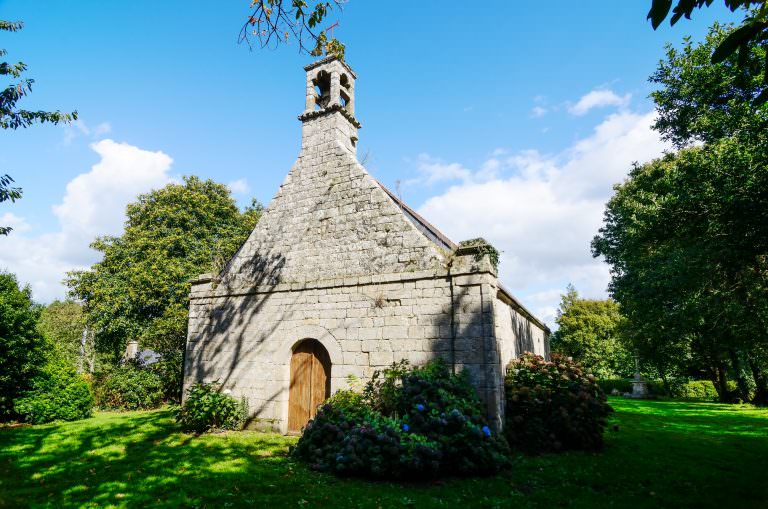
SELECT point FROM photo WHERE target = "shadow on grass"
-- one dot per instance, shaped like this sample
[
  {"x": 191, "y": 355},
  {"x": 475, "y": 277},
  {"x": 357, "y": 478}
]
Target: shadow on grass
[
  {"x": 131, "y": 459},
  {"x": 664, "y": 455}
]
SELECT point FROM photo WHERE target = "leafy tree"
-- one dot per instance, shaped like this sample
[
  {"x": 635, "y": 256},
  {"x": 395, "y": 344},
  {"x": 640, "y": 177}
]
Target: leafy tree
[
  {"x": 687, "y": 235},
  {"x": 687, "y": 240},
  {"x": 13, "y": 118},
  {"x": 8, "y": 192},
  {"x": 275, "y": 22},
  {"x": 21, "y": 345},
  {"x": 140, "y": 288},
  {"x": 753, "y": 30},
  {"x": 702, "y": 102},
  {"x": 63, "y": 325},
  {"x": 589, "y": 331}
]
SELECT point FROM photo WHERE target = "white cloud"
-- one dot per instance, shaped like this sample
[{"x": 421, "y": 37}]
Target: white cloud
[
  {"x": 434, "y": 170},
  {"x": 599, "y": 98},
  {"x": 19, "y": 224},
  {"x": 93, "y": 204},
  {"x": 239, "y": 186},
  {"x": 79, "y": 127},
  {"x": 103, "y": 128},
  {"x": 542, "y": 211},
  {"x": 538, "y": 111}
]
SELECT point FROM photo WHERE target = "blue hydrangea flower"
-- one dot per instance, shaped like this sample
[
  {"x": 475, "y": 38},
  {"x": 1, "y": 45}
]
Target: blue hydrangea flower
[
  {"x": 406, "y": 427},
  {"x": 487, "y": 431},
  {"x": 420, "y": 407}
]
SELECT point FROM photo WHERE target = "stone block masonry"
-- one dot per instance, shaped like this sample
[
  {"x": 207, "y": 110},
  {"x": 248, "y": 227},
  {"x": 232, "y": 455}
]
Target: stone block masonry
[{"x": 338, "y": 260}]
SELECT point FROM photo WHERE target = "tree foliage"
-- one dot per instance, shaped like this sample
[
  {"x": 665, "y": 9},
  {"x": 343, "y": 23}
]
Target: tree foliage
[
  {"x": 687, "y": 239},
  {"x": 698, "y": 101},
  {"x": 589, "y": 331},
  {"x": 62, "y": 323},
  {"x": 140, "y": 288},
  {"x": 21, "y": 344},
  {"x": 275, "y": 22},
  {"x": 12, "y": 117},
  {"x": 739, "y": 41},
  {"x": 687, "y": 235},
  {"x": 8, "y": 193}
]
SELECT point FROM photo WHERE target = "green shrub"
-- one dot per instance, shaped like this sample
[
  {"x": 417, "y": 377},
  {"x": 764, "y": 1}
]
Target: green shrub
[
  {"x": 57, "y": 394},
  {"x": 351, "y": 403},
  {"x": 622, "y": 385},
  {"x": 696, "y": 390},
  {"x": 22, "y": 346},
  {"x": 129, "y": 387},
  {"x": 207, "y": 409},
  {"x": 553, "y": 406},
  {"x": 407, "y": 424},
  {"x": 656, "y": 388},
  {"x": 681, "y": 388},
  {"x": 169, "y": 370}
]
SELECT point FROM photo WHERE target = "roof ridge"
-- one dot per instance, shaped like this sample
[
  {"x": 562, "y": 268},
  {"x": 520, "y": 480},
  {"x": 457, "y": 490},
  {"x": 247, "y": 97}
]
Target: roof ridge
[{"x": 436, "y": 234}]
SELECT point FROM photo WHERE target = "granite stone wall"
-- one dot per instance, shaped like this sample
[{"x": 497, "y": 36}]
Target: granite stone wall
[{"x": 334, "y": 258}]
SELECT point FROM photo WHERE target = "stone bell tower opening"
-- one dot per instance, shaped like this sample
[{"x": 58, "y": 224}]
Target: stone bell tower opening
[
  {"x": 322, "y": 90},
  {"x": 329, "y": 109}
]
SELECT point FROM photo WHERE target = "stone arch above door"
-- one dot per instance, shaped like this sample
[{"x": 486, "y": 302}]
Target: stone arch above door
[{"x": 294, "y": 336}]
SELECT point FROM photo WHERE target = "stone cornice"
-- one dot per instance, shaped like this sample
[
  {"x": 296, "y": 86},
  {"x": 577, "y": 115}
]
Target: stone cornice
[
  {"x": 296, "y": 286},
  {"x": 327, "y": 60},
  {"x": 309, "y": 115}
]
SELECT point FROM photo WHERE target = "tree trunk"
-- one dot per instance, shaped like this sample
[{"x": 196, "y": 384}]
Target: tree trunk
[
  {"x": 761, "y": 383},
  {"x": 81, "y": 357},
  {"x": 722, "y": 383},
  {"x": 741, "y": 378},
  {"x": 664, "y": 379}
]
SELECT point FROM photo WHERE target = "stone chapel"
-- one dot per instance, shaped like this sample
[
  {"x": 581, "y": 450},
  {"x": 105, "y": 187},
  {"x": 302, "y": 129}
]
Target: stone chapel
[{"x": 341, "y": 278}]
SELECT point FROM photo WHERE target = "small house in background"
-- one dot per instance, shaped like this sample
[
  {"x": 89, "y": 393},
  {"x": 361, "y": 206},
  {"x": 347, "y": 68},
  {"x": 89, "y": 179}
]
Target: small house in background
[{"x": 341, "y": 278}]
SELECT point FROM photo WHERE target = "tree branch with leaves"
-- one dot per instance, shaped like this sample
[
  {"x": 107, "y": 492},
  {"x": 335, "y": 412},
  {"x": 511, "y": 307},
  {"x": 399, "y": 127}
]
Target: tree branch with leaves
[
  {"x": 276, "y": 22},
  {"x": 12, "y": 117},
  {"x": 752, "y": 31}
]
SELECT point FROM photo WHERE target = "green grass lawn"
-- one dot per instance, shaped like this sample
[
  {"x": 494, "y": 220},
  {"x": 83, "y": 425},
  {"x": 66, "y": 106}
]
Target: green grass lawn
[{"x": 664, "y": 454}]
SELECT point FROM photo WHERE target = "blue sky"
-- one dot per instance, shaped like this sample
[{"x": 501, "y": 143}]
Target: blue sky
[{"x": 509, "y": 121}]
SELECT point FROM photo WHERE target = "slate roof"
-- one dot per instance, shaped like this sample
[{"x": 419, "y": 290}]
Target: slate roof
[{"x": 442, "y": 241}]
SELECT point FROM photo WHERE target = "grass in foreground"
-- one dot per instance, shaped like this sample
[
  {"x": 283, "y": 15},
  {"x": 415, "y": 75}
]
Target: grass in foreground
[{"x": 665, "y": 454}]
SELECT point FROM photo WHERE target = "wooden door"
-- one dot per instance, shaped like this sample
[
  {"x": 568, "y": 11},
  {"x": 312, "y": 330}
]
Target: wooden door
[{"x": 310, "y": 382}]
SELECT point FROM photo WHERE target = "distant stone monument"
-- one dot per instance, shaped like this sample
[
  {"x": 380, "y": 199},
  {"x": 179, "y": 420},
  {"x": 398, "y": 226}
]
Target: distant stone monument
[
  {"x": 131, "y": 350},
  {"x": 639, "y": 386}
]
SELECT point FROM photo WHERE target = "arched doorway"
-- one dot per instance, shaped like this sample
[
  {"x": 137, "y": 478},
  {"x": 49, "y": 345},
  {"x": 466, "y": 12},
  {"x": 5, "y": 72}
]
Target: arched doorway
[{"x": 310, "y": 382}]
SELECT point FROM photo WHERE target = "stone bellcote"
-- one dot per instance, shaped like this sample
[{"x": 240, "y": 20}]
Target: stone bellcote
[{"x": 329, "y": 110}]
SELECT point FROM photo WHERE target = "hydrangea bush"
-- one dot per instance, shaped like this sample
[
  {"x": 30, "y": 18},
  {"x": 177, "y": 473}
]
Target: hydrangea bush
[
  {"x": 553, "y": 405},
  {"x": 408, "y": 423}
]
